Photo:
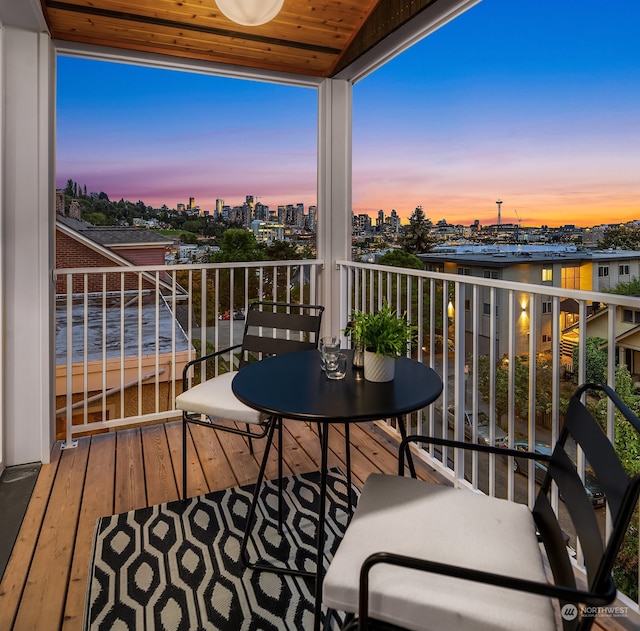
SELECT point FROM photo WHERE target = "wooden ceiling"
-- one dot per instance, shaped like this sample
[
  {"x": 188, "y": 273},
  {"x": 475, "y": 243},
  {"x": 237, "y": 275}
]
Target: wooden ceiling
[{"x": 309, "y": 37}]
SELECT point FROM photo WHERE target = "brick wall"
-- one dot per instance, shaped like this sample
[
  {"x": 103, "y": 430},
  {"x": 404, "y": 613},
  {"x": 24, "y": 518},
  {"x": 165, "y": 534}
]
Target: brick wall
[{"x": 71, "y": 253}]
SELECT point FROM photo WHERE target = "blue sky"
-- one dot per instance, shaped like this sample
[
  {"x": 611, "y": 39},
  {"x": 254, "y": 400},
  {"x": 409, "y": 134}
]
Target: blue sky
[{"x": 537, "y": 104}]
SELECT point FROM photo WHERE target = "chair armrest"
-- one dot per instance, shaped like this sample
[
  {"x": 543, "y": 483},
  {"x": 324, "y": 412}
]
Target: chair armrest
[
  {"x": 446, "y": 442},
  {"x": 204, "y": 358},
  {"x": 564, "y": 594}
]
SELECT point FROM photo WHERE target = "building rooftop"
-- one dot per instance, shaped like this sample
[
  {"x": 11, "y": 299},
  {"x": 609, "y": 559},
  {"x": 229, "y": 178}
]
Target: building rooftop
[
  {"x": 506, "y": 255},
  {"x": 115, "y": 235},
  {"x": 117, "y": 309}
]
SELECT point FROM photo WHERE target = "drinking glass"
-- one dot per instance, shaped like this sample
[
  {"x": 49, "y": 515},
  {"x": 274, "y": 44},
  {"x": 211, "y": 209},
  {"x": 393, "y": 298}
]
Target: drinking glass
[
  {"x": 329, "y": 344},
  {"x": 336, "y": 365}
]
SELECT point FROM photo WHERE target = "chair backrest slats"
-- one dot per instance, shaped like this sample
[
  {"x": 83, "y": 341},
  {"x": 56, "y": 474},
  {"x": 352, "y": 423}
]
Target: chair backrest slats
[
  {"x": 578, "y": 504},
  {"x": 275, "y": 346},
  {"x": 273, "y": 328},
  {"x": 599, "y": 453},
  {"x": 621, "y": 493},
  {"x": 277, "y": 320},
  {"x": 554, "y": 542}
]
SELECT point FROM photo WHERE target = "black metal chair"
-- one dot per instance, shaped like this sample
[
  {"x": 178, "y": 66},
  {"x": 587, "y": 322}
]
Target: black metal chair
[
  {"x": 270, "y": 328},
  {"x": 419, "y": 555}
]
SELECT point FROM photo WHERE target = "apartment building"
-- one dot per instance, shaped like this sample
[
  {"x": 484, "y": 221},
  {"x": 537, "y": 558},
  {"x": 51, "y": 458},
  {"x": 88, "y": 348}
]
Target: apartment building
[{"x": 565, "y": 267}]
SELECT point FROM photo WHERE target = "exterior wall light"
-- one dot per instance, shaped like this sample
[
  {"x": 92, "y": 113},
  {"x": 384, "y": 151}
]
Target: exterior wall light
[
  {"x": 450, "y": 309},
  {"x": 250, "y": 12}
]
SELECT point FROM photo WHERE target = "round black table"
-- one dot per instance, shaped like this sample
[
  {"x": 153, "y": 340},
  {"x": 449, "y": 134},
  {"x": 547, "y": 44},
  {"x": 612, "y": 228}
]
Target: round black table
[{"x": 293, "y": 386}]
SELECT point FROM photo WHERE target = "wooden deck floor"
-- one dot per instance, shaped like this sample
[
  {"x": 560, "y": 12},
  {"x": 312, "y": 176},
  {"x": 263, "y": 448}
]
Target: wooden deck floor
[{"x": 44, "y": 585}]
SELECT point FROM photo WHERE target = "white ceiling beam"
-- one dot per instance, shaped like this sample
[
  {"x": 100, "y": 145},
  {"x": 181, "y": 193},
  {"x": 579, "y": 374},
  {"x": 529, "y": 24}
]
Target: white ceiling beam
[
  {"x": 414, "y": 30},
  {"x": 167, "y": 62}
]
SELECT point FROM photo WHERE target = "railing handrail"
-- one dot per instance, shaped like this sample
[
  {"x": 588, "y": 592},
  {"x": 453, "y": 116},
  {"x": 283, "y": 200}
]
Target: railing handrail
[
  {"x": 538, "y": 288},
  {"x": 64, "y": 271}
]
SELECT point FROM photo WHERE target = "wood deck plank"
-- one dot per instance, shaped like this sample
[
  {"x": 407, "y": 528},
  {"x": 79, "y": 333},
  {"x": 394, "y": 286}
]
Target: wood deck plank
[
  {"x": 42, "y": 567},
  {"x": 297, "y": 458},
  {"x": 97, "y": 501},
  {"x": 214, "y": 462},
  {"x": 160, "y": 479},
  {"x": 196, "y": 482},
  {"x": 17, "y": 570},
  {"x": 271, "y": 469},
  {"x": 130, "y": 482},
  {"x": 243, "y": 464},
  {"x": 46, "y": 588}
]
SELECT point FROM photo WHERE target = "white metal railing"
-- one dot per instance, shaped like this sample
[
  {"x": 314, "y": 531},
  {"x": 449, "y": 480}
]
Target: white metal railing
[
  {"x": 123, "y": 335},
  {"x": 480, "y": 335}
]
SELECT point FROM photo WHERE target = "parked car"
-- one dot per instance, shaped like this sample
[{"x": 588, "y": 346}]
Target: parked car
[
  {"x": 483, "y": 427},
  {"x": 591, "y": 484},
  {"x": 238, "y": 314}
]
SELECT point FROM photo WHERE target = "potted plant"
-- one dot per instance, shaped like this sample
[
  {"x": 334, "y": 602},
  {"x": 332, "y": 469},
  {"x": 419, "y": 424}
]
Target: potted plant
[{"x": 384, "y": 336}]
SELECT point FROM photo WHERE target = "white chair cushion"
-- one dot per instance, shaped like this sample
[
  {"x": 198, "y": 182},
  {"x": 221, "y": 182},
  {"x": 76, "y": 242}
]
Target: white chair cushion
[
  {"x": 454, "y": 526},
  {"x": 215, "y": 398}
]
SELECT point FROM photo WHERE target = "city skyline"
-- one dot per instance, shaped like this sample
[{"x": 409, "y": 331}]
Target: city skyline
[{"x": 534, "y": 107}]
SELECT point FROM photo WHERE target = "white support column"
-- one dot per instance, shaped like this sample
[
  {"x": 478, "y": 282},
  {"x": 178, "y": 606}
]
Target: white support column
[
  {"x": 334, "y": 192},
  {"x": 27, "y": 251},
  {"x": 2, "y": 261}
]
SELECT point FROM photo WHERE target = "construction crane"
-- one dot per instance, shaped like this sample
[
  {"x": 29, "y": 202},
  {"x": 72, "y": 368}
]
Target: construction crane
[{"x": 518, "y": 226}]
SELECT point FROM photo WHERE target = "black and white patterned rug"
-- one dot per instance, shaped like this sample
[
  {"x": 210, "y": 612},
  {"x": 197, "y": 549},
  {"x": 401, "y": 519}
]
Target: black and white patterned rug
[{"x": 177, "y": 566}]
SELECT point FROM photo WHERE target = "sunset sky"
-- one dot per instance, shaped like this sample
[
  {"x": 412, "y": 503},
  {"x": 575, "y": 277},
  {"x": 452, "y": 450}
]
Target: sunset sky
[{"x": 536, "y": 104}]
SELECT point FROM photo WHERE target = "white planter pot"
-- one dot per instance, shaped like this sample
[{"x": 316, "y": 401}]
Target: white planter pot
[{"x": 379, "y": 368}]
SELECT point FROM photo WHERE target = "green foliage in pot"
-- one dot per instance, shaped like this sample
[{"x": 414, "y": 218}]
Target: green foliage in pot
[{"x": 382, "y": 332}]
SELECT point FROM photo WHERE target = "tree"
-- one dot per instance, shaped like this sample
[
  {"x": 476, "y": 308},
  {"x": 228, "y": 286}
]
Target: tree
[
  {"x": 194, "y": 225},
  {"x": 543, "y": 400},
  {"x": 627, "y": 446},
  {"x": 596, "y": 361},
  {"x": 401, "y": 258},
  {"x": 282, "y": 251},
  {"x": 501, "y": 394},
  {"x": 417, "y": 235},
  {"x": 622, "y": 237},
  {"x": 238, "y": 245},
  {"x": 189, "y": 237},
  {"x": 631, "y": 288}
]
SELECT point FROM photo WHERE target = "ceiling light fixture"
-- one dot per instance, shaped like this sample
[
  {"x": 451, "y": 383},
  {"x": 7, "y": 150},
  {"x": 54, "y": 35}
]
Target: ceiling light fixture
[{"x": 250, "y": 12}]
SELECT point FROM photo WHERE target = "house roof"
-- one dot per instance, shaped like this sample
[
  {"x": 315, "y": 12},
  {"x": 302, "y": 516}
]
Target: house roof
[
  {"x": 314, "y": 38},
  {"x": 110, "y": 236},
  {"x": 100, "y": 327}
]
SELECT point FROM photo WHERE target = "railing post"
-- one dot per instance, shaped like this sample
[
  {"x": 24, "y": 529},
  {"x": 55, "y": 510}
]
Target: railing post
[{"x": 69, "y": 442}]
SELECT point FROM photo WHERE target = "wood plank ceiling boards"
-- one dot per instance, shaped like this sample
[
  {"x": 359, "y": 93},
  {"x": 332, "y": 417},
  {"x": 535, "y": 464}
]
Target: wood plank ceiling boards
[{"x": 314, "y": 38}]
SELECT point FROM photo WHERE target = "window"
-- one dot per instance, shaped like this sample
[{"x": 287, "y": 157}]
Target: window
[
  {"x": 486, "y": 308},
  {"x": 570, "y": 277},
  {"x": 629, "y": 315},
  {"x": 623, "y": 270},
  {"x": 547, "y": 274},
  {"x": 547, "y": 306},
  {"x": 603, "y": 271},
  {"x": 491, "y": 273},
  {"x": 435, "y": 267},
  {"x": 464, "y": 271},
  {"x": 546, "y": 338}
]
